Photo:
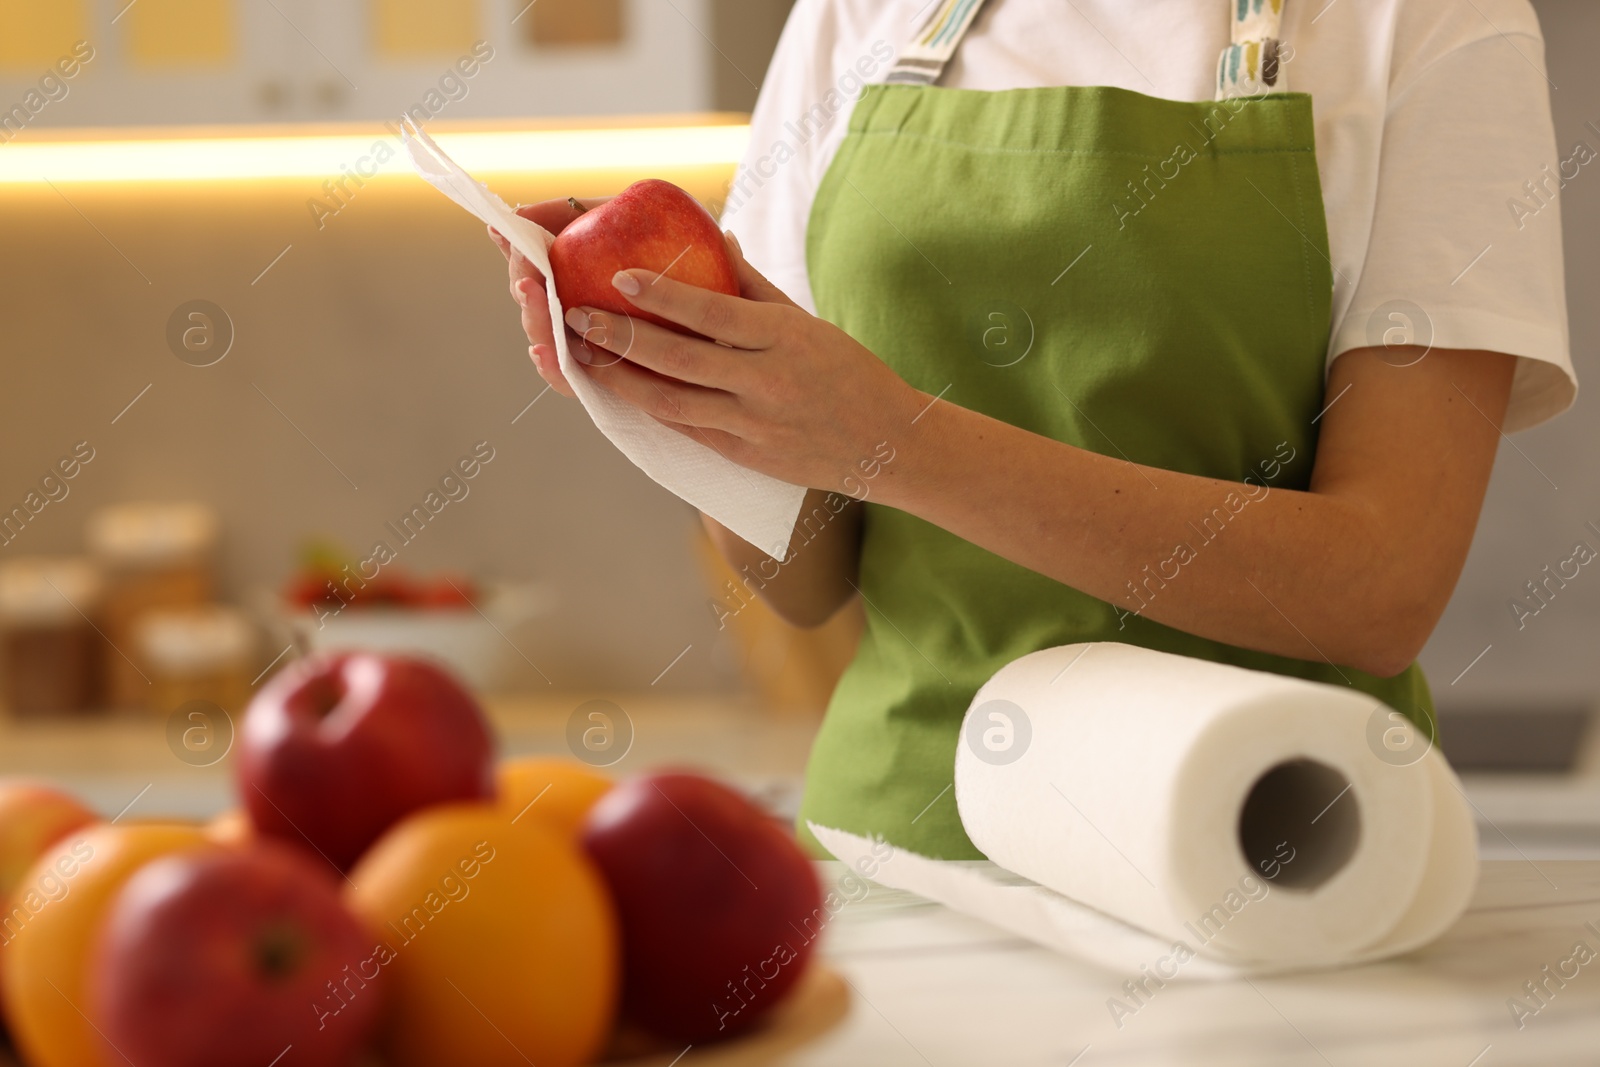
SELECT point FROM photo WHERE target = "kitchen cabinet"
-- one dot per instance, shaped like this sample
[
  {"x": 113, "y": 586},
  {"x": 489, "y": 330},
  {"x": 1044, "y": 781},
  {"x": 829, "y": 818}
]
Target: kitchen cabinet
[{"x": 201, "y": 62}]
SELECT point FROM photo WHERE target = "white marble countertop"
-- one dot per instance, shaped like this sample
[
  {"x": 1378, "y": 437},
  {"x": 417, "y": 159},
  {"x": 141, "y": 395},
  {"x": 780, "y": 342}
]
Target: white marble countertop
[{"x": 933, "y": 988}]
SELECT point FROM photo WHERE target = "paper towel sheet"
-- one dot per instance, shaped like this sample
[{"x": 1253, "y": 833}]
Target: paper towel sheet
[
  {"x": 758, "y": 508},
  {"x": 1114, "y": 826}
]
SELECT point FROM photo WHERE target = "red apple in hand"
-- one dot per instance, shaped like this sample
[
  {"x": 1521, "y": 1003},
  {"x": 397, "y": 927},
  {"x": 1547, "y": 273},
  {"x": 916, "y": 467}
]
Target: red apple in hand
[
  {"x": 652, "y": 225},
  {"x": 334, "y": 750},
  {"x": 223, "y": 958},
  {"x": 719, "y": 906}
]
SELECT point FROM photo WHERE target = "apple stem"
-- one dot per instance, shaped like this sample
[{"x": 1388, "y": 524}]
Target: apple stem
[
  {"x": 279, "y": 952},
  {"x": 572, "y": 202}
]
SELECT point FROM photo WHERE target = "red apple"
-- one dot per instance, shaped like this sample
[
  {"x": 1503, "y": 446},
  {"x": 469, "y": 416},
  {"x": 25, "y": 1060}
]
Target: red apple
[
  {"x": 335, "y": 749},
  {"x": 719, "y": 907},
  {"x": 33, "y": 817},
  {"x": 652, "y": 225},
  {"x": 233, "y": 958}
]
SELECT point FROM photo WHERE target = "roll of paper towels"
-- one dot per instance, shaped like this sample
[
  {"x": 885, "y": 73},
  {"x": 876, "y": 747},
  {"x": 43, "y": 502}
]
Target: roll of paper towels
[{"x": 1132, "y": 802}]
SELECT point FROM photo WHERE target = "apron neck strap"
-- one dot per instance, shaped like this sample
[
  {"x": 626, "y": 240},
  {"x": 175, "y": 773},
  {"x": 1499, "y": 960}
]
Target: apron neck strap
[
  {"x": 1248, "y": 67},
  {"x": 922, "y": 61}
]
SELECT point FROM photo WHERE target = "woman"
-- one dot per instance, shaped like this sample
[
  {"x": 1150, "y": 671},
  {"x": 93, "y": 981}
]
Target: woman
[{"x": 1206, "y": 355}]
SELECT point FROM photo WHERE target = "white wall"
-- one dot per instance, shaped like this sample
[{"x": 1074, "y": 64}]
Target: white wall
[{"x": 1527, "y": 524}]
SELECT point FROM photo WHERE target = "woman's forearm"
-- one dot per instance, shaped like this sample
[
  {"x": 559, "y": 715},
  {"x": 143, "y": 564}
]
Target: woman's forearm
[
  {"x": 1151, "y": 542},
  {"x": 817, "y": 578},
  {"x": 1345, "y": 573}
]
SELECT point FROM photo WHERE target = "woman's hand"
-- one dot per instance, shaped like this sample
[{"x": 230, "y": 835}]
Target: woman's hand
[
  {"x": 776, "y": 390},
  {"x": 811, "y": 587},
  {"x": 527, "y": 288}
]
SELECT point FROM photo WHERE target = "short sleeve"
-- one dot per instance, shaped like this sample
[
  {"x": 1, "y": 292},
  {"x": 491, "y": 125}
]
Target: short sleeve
[
  {"x": 1467, "y": 221},
  {"x": 769, "y": 199}
]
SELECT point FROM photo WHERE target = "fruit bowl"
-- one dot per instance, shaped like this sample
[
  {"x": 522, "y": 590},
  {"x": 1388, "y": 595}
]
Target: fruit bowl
[{"x": 474, "y": 641}]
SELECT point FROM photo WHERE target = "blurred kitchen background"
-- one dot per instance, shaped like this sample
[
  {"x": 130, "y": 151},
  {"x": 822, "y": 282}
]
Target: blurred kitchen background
[{"x": 251, "y": 380}]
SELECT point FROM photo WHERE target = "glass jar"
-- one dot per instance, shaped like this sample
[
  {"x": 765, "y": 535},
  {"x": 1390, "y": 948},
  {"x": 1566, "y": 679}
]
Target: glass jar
[
  {"x": 50, "y": 654},
  {"x": 153, "y": 556},
  {"x": 197, "y": 654}
]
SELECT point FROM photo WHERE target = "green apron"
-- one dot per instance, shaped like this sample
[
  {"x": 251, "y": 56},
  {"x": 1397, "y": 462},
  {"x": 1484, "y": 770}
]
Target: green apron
[{"x": 1143, "y": 278}]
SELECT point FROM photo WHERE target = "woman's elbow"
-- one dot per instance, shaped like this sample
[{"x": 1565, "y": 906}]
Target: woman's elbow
[
  {"x": 800, "y": 617},
  {"x": 811, "y": 612},
  {"x": 1386, "y": 662},
  {"x": 1387, "y": 646}
]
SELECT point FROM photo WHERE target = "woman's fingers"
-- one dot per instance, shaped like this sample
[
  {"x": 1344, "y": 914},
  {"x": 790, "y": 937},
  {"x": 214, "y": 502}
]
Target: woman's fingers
[
  {"x": 667, "y": 352},
  {"x": 528, "y": 290},
  {"x": 677, "y": 402},
  {"x": 752, "y": 283},
  {"x": 729, "y": 319},
  {"x": 529, "y": 294},
  {"x": 499, "y": 241},
  {"x": 548, "y": 365},
  {"x": 536, "y": 324},
  {"x": 554, "y": 216},
  {"x": 719, "y": 441},
  {"x": 519, "y": 270},
  {"x": 557, "y": 215}
]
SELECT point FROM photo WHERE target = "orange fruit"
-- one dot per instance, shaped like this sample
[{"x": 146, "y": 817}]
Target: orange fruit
[
  {"x": 559, "y": 792},
  {"x": 32, "y": 818},
  {"x": 497, "y": 943},
  {"x": 52, "y": 921}
]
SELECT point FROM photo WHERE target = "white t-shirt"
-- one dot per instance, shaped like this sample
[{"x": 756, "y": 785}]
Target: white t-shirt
[{"x": 1435, "y": 144}]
